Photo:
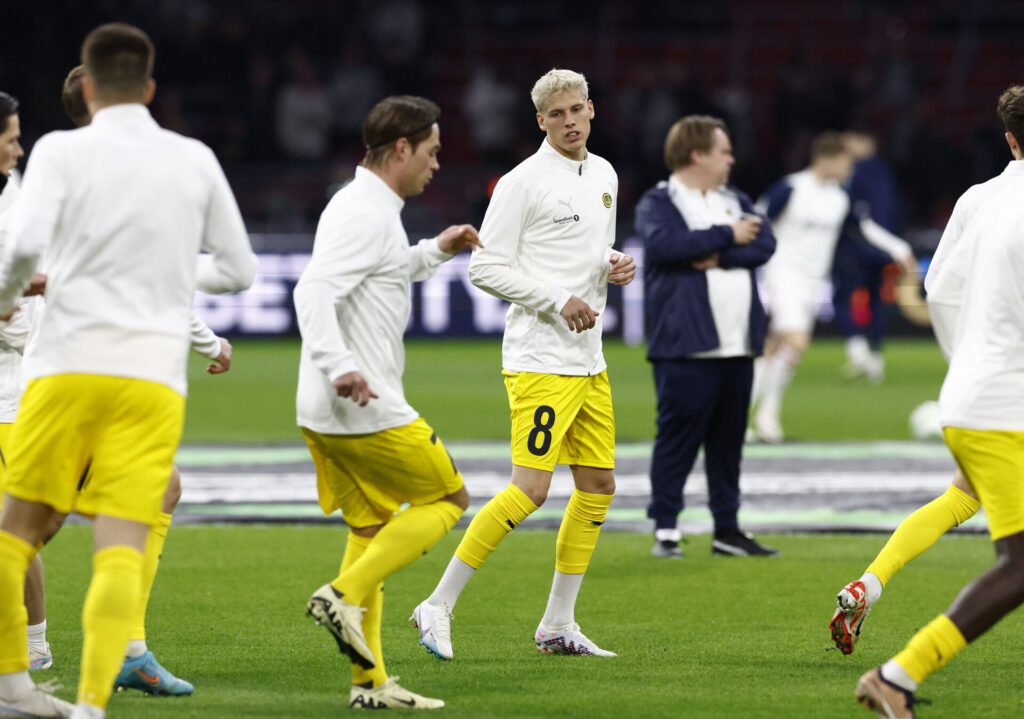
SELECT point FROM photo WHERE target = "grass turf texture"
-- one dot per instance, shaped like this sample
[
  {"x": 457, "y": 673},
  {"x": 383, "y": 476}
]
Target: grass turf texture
[
  {"x": 457, "y": 387},
  {"x": 701, "y": 637}
]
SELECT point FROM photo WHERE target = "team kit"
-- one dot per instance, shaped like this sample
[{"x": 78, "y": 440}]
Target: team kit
[{"x": 122, "y": 208}]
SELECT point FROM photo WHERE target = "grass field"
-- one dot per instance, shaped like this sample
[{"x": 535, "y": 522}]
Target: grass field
[
  {"x": 696, "y": 638},
  {"x": 458, "y": 387}
]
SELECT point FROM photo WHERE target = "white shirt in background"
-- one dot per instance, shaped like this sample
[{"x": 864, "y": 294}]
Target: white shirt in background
[
  {"x": 547, "y": 235},
  {"x": 352, "y": 303},
  {"x": 122, "y": 208},
  {"x": 729, "y": 290}
]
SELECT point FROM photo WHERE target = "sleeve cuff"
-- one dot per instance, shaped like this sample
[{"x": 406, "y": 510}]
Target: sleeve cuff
[
  {"x": 435, "y": 252},
  {"x": 559, "y": 297},
  {"x": 342, "y": 367}
]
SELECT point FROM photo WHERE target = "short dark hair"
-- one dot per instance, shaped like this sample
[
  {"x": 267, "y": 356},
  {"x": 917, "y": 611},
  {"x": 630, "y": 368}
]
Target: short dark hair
[
  {"x": 693, "y": 132},
  {"x": 393, "y": 118},
  {"x": 71, "y": 96},
  {"x": 118, "y": 58},
  {"x": 1011, "y": 111},
  {"x": 828, "y": 144},
  {"x": 8, "y": 107}
]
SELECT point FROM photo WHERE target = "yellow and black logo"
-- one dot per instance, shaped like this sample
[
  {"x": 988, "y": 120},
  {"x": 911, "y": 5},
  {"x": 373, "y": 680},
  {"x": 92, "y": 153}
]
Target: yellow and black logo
[{"x": 607, "y": 199}]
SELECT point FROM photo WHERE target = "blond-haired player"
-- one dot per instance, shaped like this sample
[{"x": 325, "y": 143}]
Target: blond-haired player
[
  {"x": 548, "y": 236},
  {"x": 122, "y": 209},
  {"x": 977, "y": 283}
]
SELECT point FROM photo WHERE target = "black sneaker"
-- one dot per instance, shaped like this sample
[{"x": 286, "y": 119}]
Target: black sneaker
[
  {"x": 667, "y": 549},
  {"x": 736, "y": 543}
]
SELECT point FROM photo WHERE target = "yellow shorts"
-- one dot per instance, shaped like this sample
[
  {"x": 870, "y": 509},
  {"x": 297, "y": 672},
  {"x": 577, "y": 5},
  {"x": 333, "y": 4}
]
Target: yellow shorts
[
  {"x": 993, "y": 463},
  {"x": 561, "y": 419},
  {"x": 5, "y": 448},
  {"x": 370, "y": 476},
  {"x": 124, "y": 431}
]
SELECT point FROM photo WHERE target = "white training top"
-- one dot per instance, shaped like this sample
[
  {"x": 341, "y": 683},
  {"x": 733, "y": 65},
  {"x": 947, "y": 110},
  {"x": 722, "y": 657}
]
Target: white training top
[
  {"x": 729, "y": 290},
  {"x": 547, "y": 235},
  {"x": 352, "y": 303},
  {"x": 808, "y": 228},
  {"x": 14, "y": 332},
  {"x": 122, "y": 208},
  {"x": 980, "y": 261}
]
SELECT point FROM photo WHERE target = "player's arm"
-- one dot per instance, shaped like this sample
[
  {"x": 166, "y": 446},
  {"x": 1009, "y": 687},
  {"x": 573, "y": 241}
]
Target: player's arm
[
  {"x": 757, "y": 252},
  {"x": 669, "y": 240},
  {"x": 898, "y": 249},
  {"x": 427, "y": 255},
  {"x": 230, "y": 265},
  {"x": 490, "y": 269},
  {"x": 206, "y": 343},
  {"x": 31, "y": 225},
  {"x": 15, "y": 331},
  {"x": 342, "y": 258}
]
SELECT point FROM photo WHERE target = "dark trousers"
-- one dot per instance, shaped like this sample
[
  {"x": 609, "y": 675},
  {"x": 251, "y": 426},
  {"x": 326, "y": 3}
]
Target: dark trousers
[
  {"x": 700, "y": 402},
  {"x": 853, "y": 271}
]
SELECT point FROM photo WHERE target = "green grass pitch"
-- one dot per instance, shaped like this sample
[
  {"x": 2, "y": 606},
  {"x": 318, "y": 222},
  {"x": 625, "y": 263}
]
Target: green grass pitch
[
  {"x": 701, "y": 637},
  {"x": 457, "y": 386}
]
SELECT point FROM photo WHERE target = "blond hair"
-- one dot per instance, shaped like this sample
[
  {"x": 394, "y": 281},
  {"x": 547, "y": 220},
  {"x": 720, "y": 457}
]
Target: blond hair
[{"x": 556, "y": 81}]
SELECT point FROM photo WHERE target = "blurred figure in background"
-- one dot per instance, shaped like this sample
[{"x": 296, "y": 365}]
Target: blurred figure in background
[
  {"x": 705, "y": 325},
  {"x": 808, "y": 210},
  {"x": 859, "y": 265}
]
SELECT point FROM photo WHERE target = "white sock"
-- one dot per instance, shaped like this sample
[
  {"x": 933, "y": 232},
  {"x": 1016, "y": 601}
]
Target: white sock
[
  {"x": 893, "y": 672},
  {"x": 668, "y": 535},
  {"x": 857, "y": 351},
  {"x": 757, "y": 388},
  {"x": 778, "y": 371},
  {"x": 453, "y": 581},
  {"x": 136, "y": 648},
  {"x": 15, "y": 685},
  {"x": 873, "y": 587},
  {"x": 37, "y": 636},
  {"x": 562, "y": 600},
  {"x": 87, "y": 711}
]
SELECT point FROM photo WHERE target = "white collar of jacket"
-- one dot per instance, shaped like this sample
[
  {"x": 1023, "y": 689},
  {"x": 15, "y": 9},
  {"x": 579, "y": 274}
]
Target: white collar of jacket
[
  {"x": 122, "y": 114},
  {"x": 557, "y": 158},
  {"x": 677, "y": 187},
  {"x": 374, "y": 183}
]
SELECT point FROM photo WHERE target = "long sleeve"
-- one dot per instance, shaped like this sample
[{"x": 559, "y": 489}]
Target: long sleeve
[
  {"x": 666, "y": 237},
  {"x": 345, "y": 252},
  {"x": 424, "y": 259},
  {"x": 492, "y": 267},
  {"x": 31, "y": 225},
  {"x": 230, "y": 265},
  {"x": 202, "y": 339},
  {"x": 884, "y": 240}
]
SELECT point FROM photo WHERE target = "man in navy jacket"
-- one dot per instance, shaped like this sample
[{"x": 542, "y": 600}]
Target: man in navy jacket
[{"x": 705, "y": 324}]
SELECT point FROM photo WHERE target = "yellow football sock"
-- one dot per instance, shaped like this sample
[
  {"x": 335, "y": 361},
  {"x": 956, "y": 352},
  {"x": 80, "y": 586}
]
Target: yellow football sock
[
  {"x": 15, "y": 556},
  {"x": 110, "y": 606},
  {"x": 580, "y": 528},
  {"x": 921, "y": 530},
  {"x": 402, "y": 540},
  {"x": 930, "y": 649},
  {"x": 151, "y": 560},
  {"x": 492, "y": 523},
  {"x": 374, "y": 604}
]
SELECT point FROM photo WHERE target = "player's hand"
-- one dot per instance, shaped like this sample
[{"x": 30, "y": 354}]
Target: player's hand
[
  {"x": 744, "y": 231},
  {"x": 908, "y": 264},
  {"x": 37, "y": 285},
  {"x": 579, "y": 315},
  {"x": 354, "y": 386},
  {"x": 623, "y": 269},
  {"x": 222, "y": 362},
  {"x": 707, "y": 263},
  {"x": 457, "y": 238}
]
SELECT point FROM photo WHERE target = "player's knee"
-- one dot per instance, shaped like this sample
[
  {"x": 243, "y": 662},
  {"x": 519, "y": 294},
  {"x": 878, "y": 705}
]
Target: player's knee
[
  {"x": 537, "y": 495},
  {"x": 54, "y": 525},
  {"x": 173, "y": 494},
  {"x": 460, "y": 499}
]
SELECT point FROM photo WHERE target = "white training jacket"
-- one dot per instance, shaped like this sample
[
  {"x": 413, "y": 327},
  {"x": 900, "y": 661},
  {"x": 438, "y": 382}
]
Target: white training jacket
[
  {"x": 547, "y": 235},
  {"x": 976, "y": 298},
  {"x": 352, "y": 304},
  {"x": 13, "y": 332},
  {"x": 122, "y": 209}
]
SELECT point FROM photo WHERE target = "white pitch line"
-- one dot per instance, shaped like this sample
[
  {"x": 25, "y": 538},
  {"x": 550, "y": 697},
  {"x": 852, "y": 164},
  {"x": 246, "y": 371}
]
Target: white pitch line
[{"x": 244, "y": 487}]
